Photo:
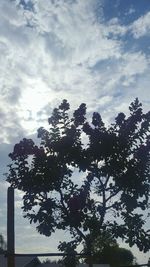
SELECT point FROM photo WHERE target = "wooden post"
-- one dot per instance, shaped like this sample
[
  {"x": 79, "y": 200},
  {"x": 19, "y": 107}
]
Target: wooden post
[
  {"x": 10, "y": 228},
  {"x": 90, "y": 261},
  {"x": 89, "y": 249}
]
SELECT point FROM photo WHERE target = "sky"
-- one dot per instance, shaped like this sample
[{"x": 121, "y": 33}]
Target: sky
[{"x": 91, "y": 51}]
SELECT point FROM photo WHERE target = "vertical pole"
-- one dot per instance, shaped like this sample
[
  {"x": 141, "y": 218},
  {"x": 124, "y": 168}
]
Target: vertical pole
[
  {"x": 10, "y": 228},
  {"x": 90, "y": 261},
  {"x": 89, "y": 249}
]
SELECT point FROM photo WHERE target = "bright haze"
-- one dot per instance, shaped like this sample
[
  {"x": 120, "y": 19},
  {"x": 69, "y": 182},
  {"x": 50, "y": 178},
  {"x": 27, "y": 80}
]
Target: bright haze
[{"x": 91, "y": 51}]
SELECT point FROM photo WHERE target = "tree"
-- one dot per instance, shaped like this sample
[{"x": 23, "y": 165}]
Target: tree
[
  {"x": 114, "y": 163},
  {"x": 116, "y": 256},
  {"x": 3, "y": 245},
  {"x": 71, "y": 258},
  {"x": 105, "y": 250}
]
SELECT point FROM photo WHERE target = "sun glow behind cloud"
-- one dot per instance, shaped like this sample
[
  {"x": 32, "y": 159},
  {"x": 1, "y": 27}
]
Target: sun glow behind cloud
[{"x": 35, "y": 96}]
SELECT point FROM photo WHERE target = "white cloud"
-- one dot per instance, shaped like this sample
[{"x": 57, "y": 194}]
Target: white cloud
[
  {"x": 141, "y": 26},
  {"x": 116, "y": 28},
  {"x": 51, "y": 60},
  {"x": 71, "y": 33},
  {"x": 134, "y": 64},
  {"x": 131, "y": 11},
  {"x": 62, "y": 56},
  {"x": 138, "y": 28}
]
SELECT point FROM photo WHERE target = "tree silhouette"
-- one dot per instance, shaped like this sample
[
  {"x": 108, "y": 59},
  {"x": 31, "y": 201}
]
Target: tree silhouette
[
  {"x": 3, "y": 245},
  {"x": 114, "y": 165},
  {"x": 115, "y": 256},
  {"x": 105, "y": 250}
]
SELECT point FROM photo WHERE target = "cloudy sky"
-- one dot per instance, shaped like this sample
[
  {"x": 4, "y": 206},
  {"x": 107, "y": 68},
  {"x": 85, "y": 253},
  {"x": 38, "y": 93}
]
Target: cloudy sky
[{"x": 92, "y": 51}]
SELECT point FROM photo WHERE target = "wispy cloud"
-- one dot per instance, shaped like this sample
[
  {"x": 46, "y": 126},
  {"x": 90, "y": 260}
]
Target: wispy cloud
[{"x": 141, "y": 27}]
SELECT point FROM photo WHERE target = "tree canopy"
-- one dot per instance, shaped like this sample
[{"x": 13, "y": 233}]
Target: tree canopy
[
  {"x": 105, "y": 250},
  {"x": 86, "y": 177},
  {"x": 115, "y": 256}
]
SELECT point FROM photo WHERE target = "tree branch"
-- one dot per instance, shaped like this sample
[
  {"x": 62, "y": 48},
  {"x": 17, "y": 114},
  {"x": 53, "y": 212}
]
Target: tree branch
[{"x": 68, "y": 215}]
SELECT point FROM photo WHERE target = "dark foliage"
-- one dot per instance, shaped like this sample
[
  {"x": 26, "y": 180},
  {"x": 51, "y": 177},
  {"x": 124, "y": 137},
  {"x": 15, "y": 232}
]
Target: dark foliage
[
  {"x": 3, "y": 245},
  {"x": 116, "y": 256},
  {"x": 105, "y": 250},
  {"x": 71, "y": 258},
  {"x": 114, "y": 164}
]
